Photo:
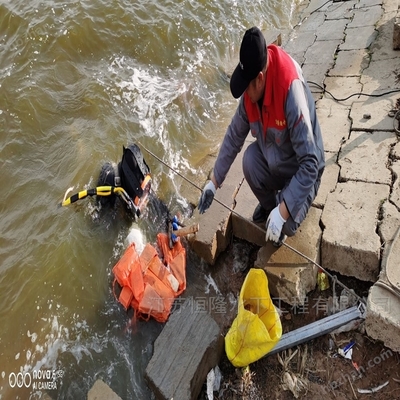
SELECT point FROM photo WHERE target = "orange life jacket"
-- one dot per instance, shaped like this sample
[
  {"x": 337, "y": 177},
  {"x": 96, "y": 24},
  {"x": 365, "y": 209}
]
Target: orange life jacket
[{"x": 149, "y": 284}]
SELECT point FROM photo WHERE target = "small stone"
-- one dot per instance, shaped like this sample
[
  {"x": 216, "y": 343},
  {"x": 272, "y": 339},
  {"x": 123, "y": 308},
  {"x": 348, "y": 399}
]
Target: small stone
[
  {"x": 288, "y": 317},
  {"x": 367, "y": 116}
]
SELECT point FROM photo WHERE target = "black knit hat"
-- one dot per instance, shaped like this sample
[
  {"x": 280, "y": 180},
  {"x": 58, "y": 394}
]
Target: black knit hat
[{"x": 253, "y": 58}]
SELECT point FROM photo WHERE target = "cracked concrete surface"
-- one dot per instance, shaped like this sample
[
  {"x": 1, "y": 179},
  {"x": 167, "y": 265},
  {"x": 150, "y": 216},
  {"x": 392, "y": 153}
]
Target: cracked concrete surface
[{"x": 346, "y": 48}]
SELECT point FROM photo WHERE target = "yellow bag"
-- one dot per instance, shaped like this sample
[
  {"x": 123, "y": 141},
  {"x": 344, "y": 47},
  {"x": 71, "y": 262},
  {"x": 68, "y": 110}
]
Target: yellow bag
[{"x": 257, "y": 327}]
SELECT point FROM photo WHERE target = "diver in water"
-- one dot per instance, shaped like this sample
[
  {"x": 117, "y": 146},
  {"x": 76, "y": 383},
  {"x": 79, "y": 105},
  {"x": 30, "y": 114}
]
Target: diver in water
[
  {"x": 123, "y": 193},
  {"x": 131, "y": 175}
]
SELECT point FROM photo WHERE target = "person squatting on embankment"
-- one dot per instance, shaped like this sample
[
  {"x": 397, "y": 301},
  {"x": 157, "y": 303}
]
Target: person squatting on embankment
[{"x": 284, "y": 165}]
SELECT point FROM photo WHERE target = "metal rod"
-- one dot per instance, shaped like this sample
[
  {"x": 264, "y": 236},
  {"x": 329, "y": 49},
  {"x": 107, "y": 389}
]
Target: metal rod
[
  {"x": 172, "y": 169},
  {"x": 317, "y": 328},
  {"x": 254, "y": 224}
]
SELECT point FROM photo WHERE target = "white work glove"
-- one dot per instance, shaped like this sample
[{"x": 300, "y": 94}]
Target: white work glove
[
  {"x": 206, "y": 197},
  {"x": 274, "y": 225}
]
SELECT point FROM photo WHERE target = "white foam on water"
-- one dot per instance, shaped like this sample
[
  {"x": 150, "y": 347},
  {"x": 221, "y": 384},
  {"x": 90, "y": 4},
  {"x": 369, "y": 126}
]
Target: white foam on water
[
  {"x": 148, "y": 93},
  {"x": 81, "y": 341},
  {"x": 33, "y": 336},
  {"x": 135, "y": 235}
]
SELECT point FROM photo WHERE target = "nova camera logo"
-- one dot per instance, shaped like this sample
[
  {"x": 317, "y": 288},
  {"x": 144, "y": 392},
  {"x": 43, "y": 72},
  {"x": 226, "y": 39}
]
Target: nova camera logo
[
  {"x": 37, "y": 380},
  {"x": 21, "y": 379}
]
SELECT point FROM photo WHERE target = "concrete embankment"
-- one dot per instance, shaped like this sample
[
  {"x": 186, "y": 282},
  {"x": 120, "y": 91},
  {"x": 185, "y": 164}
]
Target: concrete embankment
[{"x": 346, "y": 50}]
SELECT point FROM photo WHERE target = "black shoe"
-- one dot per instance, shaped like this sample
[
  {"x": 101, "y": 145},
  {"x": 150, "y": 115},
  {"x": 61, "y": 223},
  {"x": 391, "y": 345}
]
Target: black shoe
[{"x": 260, "y": 214}]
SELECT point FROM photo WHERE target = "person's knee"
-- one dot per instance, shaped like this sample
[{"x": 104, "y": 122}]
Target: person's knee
[
  {"x": 248, "y": 164},
  {"x": 253, "y": 159}
]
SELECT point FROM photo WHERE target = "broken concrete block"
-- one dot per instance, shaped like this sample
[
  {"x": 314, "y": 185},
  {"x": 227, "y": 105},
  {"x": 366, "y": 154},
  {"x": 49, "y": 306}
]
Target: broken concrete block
[
  {"x": 396, "y": 32},
  {"x": 329, "y": 179},
  {"x": 215, "y": 227},
  {"x": 101, "y": 391},
  {"x": 214, "y": 231},
  {"x": 290, "y": 275},
  {"x": 361, "y": 157},
  {"x": 242, "y": 226},
  {"x": 188, "y": 347},
  {"x": 383, "y": 320},
  {"x": 350, "y": 244}
]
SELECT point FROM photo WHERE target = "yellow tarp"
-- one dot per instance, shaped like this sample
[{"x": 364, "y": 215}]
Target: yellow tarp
[{"x": 257, "y": 327}]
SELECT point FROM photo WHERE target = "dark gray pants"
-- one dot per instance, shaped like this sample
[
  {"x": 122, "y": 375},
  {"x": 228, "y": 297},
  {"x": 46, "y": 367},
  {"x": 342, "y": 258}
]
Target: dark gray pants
[{"x": 267, "y": 187}]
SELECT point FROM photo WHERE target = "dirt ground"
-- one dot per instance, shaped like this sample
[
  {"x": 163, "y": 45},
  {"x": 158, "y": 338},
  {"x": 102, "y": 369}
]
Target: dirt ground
[{"x": 313, "y": 370}]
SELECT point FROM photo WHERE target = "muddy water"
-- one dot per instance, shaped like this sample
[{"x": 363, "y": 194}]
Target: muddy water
[{"x": 78, "y": 80}]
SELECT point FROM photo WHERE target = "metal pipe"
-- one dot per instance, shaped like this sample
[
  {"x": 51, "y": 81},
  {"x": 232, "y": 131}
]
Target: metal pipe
[{"x": 318, "y": 328}]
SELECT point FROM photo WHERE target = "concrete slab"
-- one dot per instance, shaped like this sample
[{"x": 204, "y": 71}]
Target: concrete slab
[
  {"x": 390, "y": 222},
  {"x": 215, "y": 228},
  {"x": 363, "y": 156},
  {"x": 343, "y": 9},
  {"x": 291, "y": 276},
  {"x": 334, "y": 121},
  {"x": 377, "y": 109},
  {"x": 388, "y": 15},
  {"x": 188, "y": 347},
  {"x": 350, "y": 63},
  {"x": 311, "y": 22},
  {"x": 342, "y": 87},
  {"x": 315, "y": 76},
  {"x": 391, "y": 269},
  {"x": 101, "y": 391},
  {"x": 396, "y": 151},
  {"x": 316, "y": 7},
  {"x": 396, "y": 33},
  {"x": 366, "y": 16},
  {"x": 369, "y": 3},
  {"x": 329, "y": 179},
  {"x": 246, "y": 202},
  {"x": 331, "y": 30},
  {"x": 381, "y": 76},
  {"x": 390, "y": 5},
  {"x": 350, "y": 244},
  {"x": 298, "y": 43},
  {"x": 359, "y": 38},
  {"x": 382, "y": 318},
  {"x": 395, "y": 195},
  {"x": 322, "y": 52}
]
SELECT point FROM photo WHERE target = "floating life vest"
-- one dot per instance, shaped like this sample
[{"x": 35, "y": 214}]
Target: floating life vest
[{"x": 148, "y": 283}]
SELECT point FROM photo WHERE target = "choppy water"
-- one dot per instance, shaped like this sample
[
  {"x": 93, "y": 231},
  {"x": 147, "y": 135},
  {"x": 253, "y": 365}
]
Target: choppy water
[{"x": 78, "y": 80}]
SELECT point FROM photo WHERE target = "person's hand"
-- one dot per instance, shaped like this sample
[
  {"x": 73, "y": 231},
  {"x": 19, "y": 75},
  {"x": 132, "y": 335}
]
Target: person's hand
[
  {"x": 274, "y": 225},
  {"x": 206, "y": 197}
]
